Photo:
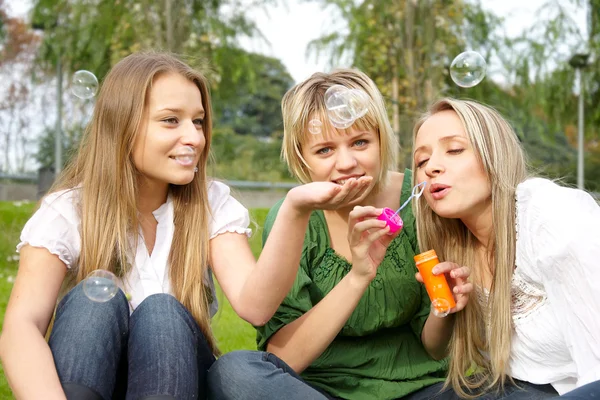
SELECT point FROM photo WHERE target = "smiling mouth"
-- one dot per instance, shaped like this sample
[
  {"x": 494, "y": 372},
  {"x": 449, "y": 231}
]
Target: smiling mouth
[{"x": 184, "y": 159}]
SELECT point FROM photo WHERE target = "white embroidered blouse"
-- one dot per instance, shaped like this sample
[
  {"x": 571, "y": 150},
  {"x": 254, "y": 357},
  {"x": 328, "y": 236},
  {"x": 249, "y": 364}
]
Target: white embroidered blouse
[
  {"x": 556, "y": 287},
  {"x": 56, "y": 227}
]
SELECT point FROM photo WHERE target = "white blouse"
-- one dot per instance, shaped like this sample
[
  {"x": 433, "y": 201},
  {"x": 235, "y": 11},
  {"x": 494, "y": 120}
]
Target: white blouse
[
  {"x": 556, "y": 287},
  {"x": 56, "y": 227}
]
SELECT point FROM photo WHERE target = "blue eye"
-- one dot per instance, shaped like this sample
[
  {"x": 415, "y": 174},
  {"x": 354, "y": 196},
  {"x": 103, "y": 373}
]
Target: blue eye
[
  {"x": 361, "y": 142},
  {"x": 324, "y": 150}
]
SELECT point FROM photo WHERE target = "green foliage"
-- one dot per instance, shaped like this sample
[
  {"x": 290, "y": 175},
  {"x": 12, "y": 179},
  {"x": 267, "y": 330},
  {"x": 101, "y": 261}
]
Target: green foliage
[{"x": 231, "y": 331}]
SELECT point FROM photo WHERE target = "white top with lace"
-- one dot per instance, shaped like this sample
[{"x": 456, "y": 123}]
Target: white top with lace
[
  {"x": 56, "y": 227},
  {"x": 555, "y": 287}
]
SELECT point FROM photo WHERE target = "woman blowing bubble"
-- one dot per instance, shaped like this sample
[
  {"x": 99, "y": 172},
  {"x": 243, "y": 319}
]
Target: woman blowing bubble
[
  {"x": 533, "y": 247},
  {"x": 136, "y": 201}
]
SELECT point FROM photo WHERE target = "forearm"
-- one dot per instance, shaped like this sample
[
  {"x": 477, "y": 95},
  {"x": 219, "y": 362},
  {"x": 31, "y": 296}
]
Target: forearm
[
  {"x": 277, "y": 266},
  {"x": 28, "y": 364},
  {"x": 304, "y": 340},
  {"x": 436, "y": 335}
]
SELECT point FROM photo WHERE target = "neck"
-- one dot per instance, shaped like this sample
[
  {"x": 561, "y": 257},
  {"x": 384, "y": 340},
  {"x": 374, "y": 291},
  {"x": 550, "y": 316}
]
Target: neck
[
  {"x": 151, "y": 196},
  {"x": 480, "y": 224}
]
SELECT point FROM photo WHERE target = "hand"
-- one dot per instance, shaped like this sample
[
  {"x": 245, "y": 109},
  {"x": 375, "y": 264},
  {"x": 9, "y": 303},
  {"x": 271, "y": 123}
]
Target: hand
[
  {"x": 328, "y": 195},
  {"x": 369, "y": 239},
  {"x": 457, "y": 278}
]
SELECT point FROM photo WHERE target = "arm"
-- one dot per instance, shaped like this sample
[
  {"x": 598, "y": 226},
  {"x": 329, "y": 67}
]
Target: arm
[
  {"x": 567, "y": 255},
  {"x": 27, "y": 359},
  {"x": 255, "y": 289},
  {"x": 305, "y": 339},
  {"x": 437, "y": 331}
]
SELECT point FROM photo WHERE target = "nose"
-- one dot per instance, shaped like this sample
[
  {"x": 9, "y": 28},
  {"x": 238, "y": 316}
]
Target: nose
[
  {"x": 434, "y": 166},
  {"x": 191, "y": 135},
  {"x": 345, "y": 160}
]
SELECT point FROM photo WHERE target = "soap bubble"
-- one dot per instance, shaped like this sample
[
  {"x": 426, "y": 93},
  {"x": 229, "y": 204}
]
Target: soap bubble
[
  {"x": 468, "y": 69},
  {"x": 84, "y": 84},
  {"x": 441, "y": 307},
  {"x": 100, "y": 285},
  {"x": 344, "y": 106},
  {"x": 314, "y": 126}
]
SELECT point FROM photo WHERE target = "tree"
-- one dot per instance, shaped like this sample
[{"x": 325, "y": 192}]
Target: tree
[{"x": 251, "y": 104}]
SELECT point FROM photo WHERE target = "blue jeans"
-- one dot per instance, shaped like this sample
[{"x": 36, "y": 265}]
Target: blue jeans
[
  {"x": 252, "y": 375},
  {"x": 589, "y": 391},
  {"x": 101, "y": 352},
  {"x": 248, "y": 375},
  {"x": 523, "y": 391}
]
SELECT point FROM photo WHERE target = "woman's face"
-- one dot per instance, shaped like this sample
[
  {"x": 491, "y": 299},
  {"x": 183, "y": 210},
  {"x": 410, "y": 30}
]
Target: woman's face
[
  {"x": 457, "y": 185},
  {"x": 343, "y": 155},
  {"x": 171, "y": 139}
]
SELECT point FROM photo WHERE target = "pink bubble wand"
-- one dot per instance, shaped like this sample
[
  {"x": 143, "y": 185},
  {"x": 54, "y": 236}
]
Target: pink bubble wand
[{"x": 392, "y": 218}]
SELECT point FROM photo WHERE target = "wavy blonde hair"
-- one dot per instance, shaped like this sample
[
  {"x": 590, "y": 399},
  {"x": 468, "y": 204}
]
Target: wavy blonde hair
[
  {"x": 306, "y": 101},
  {"x": 107, "y": 180},
  {"x": 499, "y": 152}
]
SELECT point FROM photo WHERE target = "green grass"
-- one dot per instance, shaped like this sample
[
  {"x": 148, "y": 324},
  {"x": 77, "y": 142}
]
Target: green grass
[{"x": 231, "y": 331}]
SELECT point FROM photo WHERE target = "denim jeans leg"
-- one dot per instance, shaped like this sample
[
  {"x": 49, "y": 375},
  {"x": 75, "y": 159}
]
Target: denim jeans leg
[
  {"x": 589, "y": 391},
  {"x": 87, "y": 341},
  {"x": 167, "y": 353},
  {"x": 251, "y": 375}
]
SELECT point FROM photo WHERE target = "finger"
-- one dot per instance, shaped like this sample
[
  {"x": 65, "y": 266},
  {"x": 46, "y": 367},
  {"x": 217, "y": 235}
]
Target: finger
[
  {"x": 377, "y": 234},
  {"x": 363, "y": 184},
  {"x": 359, "y": 212},
  {"x": 346, "y": 189},
  {"x": 461, "y": 302},
  {"x": 363, "y": 226},
  {"x": 419, "y": 277},
  {"x": 444, "y": 267},
  {"x": 466, "y": 288},
  {"x": 460, "y": 273}
]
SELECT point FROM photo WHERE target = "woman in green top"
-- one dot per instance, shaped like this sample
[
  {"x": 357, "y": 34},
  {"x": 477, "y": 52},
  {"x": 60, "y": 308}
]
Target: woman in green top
[{"x": 356, "y": 323}]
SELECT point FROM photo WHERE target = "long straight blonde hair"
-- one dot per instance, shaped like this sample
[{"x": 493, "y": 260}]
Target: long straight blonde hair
[
  {"x": 503, "y": 161},
  {"x": 106, "y": 178}
]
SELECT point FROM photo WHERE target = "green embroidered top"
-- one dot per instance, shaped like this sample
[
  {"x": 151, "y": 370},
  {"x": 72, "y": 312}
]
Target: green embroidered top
[{"x": 378, "y": 353}]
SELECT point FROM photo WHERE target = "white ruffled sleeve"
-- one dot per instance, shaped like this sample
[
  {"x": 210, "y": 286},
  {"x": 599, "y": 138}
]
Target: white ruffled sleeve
[
  {"x": 228, "y": 214},
  {"x": 55, "y": 226},
  {"x": 564, "y": 254}
]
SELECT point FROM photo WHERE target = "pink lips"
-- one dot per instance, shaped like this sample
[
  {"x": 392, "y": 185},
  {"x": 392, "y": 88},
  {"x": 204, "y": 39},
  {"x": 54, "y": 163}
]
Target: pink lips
[{"x": 439, "y": 191}]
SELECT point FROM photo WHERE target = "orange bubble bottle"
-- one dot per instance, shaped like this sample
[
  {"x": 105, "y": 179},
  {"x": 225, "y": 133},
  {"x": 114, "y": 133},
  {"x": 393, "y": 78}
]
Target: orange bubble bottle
[{"x": 437, "y": 286}]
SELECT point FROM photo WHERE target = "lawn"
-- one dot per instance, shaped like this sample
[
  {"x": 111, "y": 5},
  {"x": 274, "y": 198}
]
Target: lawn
[{"x": 232, "y": 332}]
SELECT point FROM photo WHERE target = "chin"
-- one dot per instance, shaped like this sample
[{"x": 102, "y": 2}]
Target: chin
[{"x": 183, "y": 180}]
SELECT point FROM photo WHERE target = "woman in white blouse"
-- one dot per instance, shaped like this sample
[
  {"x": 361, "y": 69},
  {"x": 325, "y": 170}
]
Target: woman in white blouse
[
  {"x": 136, "y": 201},
  {"x": 533, "y": 247}
]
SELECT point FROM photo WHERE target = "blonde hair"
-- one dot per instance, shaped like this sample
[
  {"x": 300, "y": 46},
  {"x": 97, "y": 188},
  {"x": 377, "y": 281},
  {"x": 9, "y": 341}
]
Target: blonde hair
[
  {"x": 306, "y": 101},
  {"x": 104, "y": 174},
  {"x": 503, "y": 161}
]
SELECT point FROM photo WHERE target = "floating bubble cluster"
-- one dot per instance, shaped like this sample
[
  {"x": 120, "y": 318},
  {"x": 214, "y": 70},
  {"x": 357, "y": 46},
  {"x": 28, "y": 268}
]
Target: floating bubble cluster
[{"x": 344, "y": 106}]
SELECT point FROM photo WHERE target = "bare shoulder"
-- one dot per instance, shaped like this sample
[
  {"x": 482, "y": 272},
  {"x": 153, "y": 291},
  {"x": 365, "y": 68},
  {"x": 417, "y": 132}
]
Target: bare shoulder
[{"x": 396, "y": 179}]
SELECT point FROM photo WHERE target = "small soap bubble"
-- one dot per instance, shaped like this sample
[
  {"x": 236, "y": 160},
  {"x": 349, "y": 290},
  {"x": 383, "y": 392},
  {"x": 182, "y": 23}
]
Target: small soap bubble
[
  {"x": 441, "y": 307},
  {"x": 100, "y": 285},
  {"x": 468, "y": 69},
  {"x": 84, "y": 84},
  {"x": 314, "y": 126}
]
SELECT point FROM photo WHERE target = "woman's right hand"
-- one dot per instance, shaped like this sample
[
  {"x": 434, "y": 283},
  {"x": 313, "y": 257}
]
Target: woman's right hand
[
  {"x": 328, "y": 195},
  {"x": 369, "y": 239}
]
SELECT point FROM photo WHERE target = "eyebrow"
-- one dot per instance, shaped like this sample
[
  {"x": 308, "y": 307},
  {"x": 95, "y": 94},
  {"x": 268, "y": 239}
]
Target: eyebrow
[
  {"x": 353, "y": 137},
  {"x": 176, "y": 110},
  {"x": 442, "y": 139}
]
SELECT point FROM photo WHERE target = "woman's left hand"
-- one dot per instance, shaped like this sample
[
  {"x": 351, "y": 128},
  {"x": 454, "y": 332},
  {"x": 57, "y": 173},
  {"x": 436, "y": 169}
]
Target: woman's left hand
[{"x": 457, "y": 278}]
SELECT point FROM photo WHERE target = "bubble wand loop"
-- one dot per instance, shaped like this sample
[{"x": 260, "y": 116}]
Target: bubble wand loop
[{"x": 414, "y": 195}]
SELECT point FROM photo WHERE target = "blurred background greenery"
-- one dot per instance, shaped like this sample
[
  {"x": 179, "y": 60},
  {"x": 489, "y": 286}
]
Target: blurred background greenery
[{"x": 406, "y": 46}]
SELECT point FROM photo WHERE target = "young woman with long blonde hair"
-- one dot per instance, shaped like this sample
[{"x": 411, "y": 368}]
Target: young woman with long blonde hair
[
  {"x": 533, "y": 247},
  {"x": 136, "y": 201}
]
